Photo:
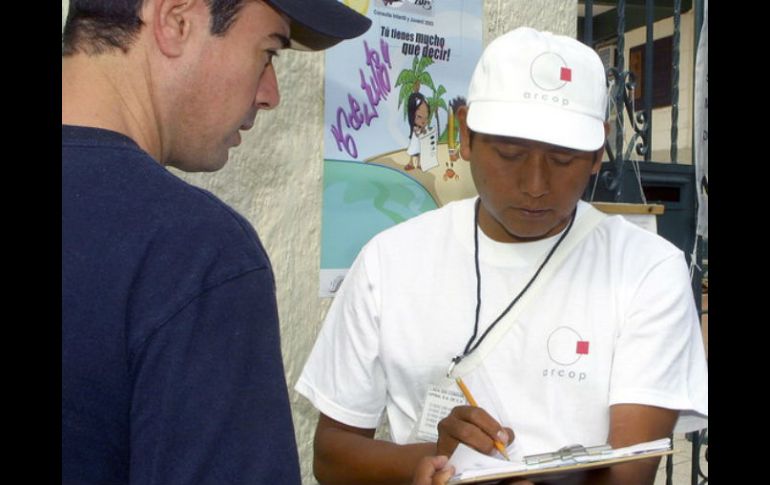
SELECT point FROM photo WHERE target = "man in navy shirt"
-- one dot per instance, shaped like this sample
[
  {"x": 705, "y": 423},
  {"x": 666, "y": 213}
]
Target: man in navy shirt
[{"x": 171, "y": 363}]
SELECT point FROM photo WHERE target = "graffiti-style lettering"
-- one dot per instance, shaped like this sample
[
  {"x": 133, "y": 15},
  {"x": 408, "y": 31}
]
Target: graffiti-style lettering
[{"x": 376, "y": 86}]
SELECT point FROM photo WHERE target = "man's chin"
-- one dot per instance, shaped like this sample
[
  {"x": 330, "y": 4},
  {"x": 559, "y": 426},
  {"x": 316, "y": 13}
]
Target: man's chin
[
  {"x": 528, "y": 233},
  {"x": 201, "y": 164}
]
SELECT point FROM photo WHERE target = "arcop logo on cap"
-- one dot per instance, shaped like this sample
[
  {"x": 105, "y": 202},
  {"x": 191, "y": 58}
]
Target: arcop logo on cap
[{"x": 549, "y": 71}]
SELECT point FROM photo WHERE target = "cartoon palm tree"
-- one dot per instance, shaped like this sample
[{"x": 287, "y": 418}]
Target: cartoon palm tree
[
  {"x": 454, "y": 133},
  {"x": 411, "y": 79},
  {"x": 435, "y": 102}
]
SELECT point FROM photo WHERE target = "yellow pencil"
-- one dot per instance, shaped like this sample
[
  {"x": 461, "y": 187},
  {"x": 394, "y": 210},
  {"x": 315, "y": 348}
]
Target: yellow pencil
[{"x": 467, "y": 393}]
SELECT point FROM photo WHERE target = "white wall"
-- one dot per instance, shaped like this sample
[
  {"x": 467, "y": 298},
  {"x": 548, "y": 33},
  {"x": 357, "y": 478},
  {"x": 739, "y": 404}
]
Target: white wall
[
  {"x": 65, "y": 4},
  {"x": 275, "y": 180}
]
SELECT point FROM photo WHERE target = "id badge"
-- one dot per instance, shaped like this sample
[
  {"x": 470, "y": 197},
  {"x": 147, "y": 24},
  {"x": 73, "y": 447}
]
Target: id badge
[{"x": 439, "y": 401}]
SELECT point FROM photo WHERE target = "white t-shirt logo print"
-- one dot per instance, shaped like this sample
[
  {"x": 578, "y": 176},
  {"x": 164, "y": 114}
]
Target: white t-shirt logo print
[{"x": 566, "y": 346}]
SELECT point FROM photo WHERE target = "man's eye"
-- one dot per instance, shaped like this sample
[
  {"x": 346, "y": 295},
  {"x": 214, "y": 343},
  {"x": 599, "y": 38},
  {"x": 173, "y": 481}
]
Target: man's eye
[
  {"x": 511, "y": 154},
  {"x": 565, "y": 159},
  {"x": 270, "y": 56}
]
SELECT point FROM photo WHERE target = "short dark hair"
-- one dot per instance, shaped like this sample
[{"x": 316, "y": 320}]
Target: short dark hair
[
  {"x": 416, "y": 99},
  {"x": 96, "y": 26}
]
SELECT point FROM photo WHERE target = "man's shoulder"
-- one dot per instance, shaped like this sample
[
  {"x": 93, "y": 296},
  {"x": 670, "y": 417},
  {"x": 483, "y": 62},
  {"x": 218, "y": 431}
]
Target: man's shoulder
[
  {"x": 115, "y": 197},
  {"x": 429, "y": 224},
  {"x": 623, "y": 237},
  {"x": 192, "y": 224},
  {"x": 123, "y": 184}
]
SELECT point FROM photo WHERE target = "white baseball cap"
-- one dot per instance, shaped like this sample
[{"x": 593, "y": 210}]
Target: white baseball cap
[{"x": 540, "y": 86}]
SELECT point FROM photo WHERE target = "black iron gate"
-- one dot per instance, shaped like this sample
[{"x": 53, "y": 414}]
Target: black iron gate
[{"x": 643, "y": 180}]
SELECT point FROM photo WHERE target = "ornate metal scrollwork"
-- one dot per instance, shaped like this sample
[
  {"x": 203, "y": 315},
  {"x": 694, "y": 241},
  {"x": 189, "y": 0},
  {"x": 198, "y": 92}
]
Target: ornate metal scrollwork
[{"x": 622, "y": 89}]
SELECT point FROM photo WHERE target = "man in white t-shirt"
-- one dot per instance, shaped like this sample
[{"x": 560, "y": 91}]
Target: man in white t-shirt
[{"x": 566, "y": 325}]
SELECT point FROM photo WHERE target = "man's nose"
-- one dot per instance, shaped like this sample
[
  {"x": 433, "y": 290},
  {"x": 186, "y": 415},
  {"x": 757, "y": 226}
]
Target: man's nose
[
  {"x": 268, "y": 96},
  {"x": 535, "y": 174}
]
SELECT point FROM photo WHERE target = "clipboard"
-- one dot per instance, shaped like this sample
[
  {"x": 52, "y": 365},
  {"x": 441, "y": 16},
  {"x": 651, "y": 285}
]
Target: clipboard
[{"x": 565, "y": 460}]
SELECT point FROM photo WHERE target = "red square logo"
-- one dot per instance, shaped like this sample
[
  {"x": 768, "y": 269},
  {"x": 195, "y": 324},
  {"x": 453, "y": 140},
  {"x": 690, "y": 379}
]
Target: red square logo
[
  {"x": 582, "y": 347},
  {"x": 566, "y": 74}
]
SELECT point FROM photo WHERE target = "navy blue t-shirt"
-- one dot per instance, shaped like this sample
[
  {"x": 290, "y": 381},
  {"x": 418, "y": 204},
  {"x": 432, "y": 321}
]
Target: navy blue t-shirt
[{"x": 171, "y": 362}]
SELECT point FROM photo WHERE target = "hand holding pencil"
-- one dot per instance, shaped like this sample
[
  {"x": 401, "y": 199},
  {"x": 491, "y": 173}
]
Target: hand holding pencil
[{"x": 472, "y": 426}]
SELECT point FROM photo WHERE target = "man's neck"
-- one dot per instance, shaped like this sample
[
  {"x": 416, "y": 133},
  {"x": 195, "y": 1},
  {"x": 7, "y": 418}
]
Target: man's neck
[{"x": 104, "y": 91}]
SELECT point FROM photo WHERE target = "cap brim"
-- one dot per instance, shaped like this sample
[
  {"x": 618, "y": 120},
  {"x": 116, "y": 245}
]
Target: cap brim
[
  {"x": 320, "y": 24},
  {"x": 539, "y": 122}
]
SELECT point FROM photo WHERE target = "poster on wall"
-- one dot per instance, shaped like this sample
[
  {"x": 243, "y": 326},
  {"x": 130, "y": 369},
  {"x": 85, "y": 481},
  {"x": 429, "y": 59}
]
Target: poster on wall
[{"x": 391, "y": 139}]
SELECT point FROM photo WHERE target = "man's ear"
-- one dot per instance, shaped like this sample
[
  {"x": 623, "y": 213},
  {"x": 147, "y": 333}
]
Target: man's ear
[
  {"x": 599, "y": 154},
  {"x": 465, "y": 134},
  {"x": 173, "y": 21}
]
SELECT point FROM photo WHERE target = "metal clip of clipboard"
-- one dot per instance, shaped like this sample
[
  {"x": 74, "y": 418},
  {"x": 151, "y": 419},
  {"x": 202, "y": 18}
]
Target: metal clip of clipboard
[{"x": 566, "y": 453}]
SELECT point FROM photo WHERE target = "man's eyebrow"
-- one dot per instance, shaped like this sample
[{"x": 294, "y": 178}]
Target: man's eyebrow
[
  {"x": 526, "y": 143},
  {"x": 508, "y": 140},
  {"x": 281, "y": 38}
]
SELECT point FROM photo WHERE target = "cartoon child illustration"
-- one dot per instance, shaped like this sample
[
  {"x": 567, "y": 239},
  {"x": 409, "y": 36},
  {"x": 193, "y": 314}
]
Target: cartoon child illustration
[{"x": 422, "y": 139}]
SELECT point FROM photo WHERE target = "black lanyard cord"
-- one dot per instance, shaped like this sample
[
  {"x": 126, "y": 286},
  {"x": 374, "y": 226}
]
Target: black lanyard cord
[{"x": 468, "y": 348}]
